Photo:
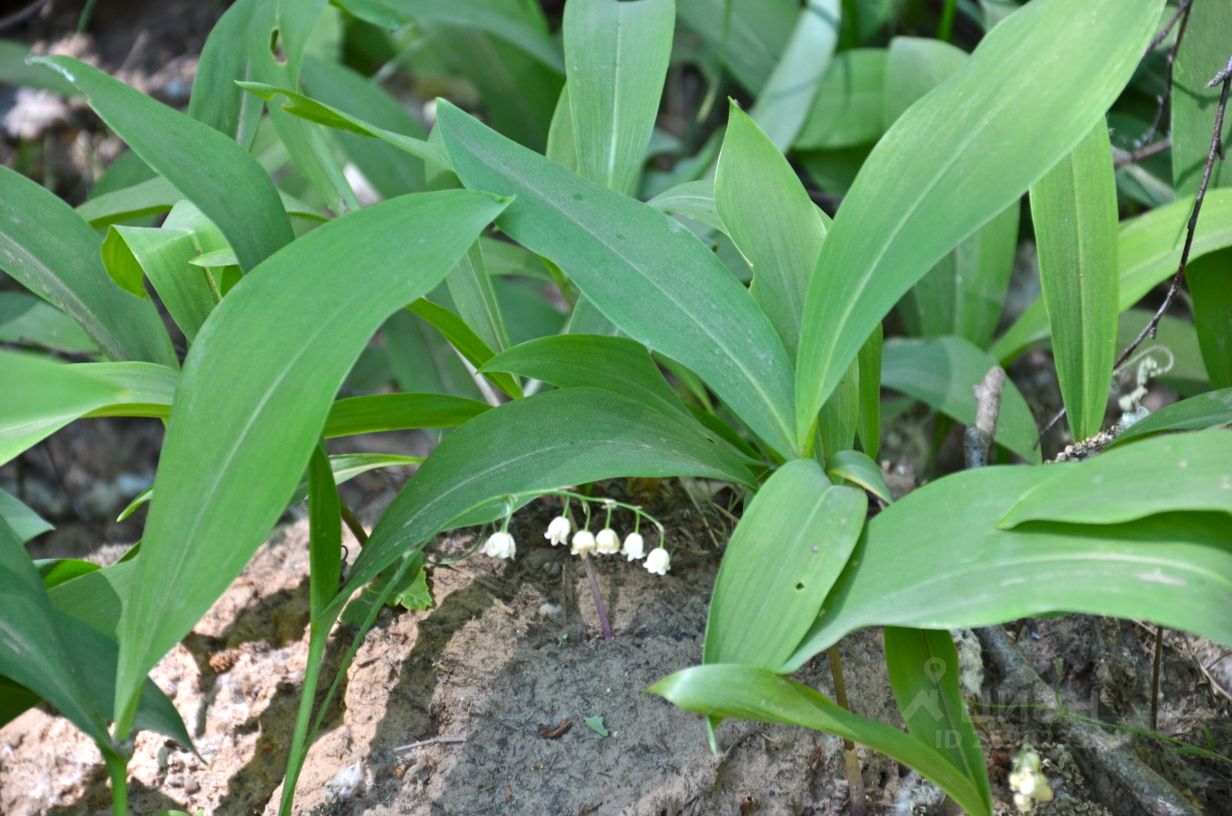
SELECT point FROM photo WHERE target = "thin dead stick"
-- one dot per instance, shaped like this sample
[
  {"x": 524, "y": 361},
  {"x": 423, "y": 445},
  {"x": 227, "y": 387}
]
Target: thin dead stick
[
  {"x": 851, "y": 760},
  {"x": 1122, "y": 158},
  {"x": 430, "y": 741},
  {"x": 1159, "y": 650},
  {"x": 1117, "y": 773},
  {"x": 978, "y": 438},
  {"x": 1223, "y": 78},
  {"x": 1182, "y": 14}
]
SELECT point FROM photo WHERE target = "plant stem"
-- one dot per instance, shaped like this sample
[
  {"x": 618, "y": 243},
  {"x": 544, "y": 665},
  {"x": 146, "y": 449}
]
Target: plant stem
[
  {"x": 1159, "y": 650},
  {"x": 945, "y": 28},
  {"x": 117, "y": 769},
  {"x": 851, "y": 760},
  {"x": 598, "y": 596},
  {"x": 352, "y": 523}
]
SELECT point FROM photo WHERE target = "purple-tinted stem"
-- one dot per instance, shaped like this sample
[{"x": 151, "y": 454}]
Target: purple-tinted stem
[{"x": 598, "y": 596}]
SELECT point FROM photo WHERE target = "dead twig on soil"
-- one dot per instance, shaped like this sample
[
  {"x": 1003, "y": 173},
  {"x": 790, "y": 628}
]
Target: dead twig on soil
[
  {"x": 851, "y": 760},
  {"x": 1116, "y": 773},
  {"x": 978, "y": 438},
  {"x": 424, "y": 743}
]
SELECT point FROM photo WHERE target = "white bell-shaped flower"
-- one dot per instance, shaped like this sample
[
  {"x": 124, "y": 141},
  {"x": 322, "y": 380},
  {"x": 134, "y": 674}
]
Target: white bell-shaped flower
[
  {"x": 607, "y": 542},
  {"x": 658, "y": 562},
  {"x": 635, "y": 547},
  {"x": 558, "y": 530},
  {"x": 583, "y": 542},
  {"x": 500, "y": 545}
]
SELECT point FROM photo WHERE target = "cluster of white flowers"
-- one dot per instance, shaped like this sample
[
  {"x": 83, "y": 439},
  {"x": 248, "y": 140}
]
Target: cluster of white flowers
[
  {"x": 1028, "y": 782},
  {"x": 607, "y": 542}
]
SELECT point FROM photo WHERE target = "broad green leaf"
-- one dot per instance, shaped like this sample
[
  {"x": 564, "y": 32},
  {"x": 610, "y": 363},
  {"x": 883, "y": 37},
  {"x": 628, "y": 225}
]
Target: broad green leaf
[
  {"x": 1160, "y": 475},
  {"x": 1202, "y": 54},
  {"x": 1074, "y": 209},
  {"x": 157, "y": 195},
  {"x": 780, "y": 243},
  {"x": 1172, "y": 569},
  {"x": 324, "y": 534},
  {"x": 244, "y": 425},
  {"x": 470, "y": 288},
  {"x": 215, "y": 173},
  {"x": 1031, "y": 91},
  {"x": 509, "y": 20},
  {"x": 1209, "y": 279},
  {"x": 1209, "y": 410},
  {"x": 390, "y": 171},
  {"x": 848, "y": 109},
  {"x": 24, "y": 523},
  {"x": 50, "y": 250},
  {"x": 785, "y": 554},
  {"x": 652, "y": 278},
  {"x": 302, "y": 106},
  {"x": 28, "y": 321},
  {"x": 42, "y": 397},
  {"x": 572, "y": 360},
  {"x": 16, "y": 71},
  {"x": 745, "y": 37},
  {"x": 783, "y": 103},
  {"x": 868, "y": 368},
  {"x": 462, "y": 338},
  {"x": 616, "y": 57},
  {"x": 1149, "y": 248},
  {"x": 131, "y": 254},
  {"x": 566, "y": 437},
  {"x": 225, "y": 58},
  {"x": 420, "y": 360},
  {"x": 15, "y": 700},
  {"x": 56, "y": 571},
  {"x": 942, "y": 371},
  {"x": 923, "y": 669},
  {"x": 395, "y": 412},
  {"x": 758, "y": 694},
  {"x": 859, "y": 469},
  {"x": 839, "y": 417},
  {"x": 32, "y": 651},
  {"x": 914, "y": 66},
  {"x": 693, "y": 199}
]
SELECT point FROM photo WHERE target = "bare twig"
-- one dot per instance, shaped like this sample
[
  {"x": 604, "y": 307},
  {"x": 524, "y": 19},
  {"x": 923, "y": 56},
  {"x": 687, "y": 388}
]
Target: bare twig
[
  {"x": 1118, "y": 773},
  {"x": 851, "y": 760},
  {"x": 977, "y": 441},
  {"x": 1182, "y": 14},
  {"x": 21, "y": 15},
  {"x": 1123, "y": 158},
  {"x": 424, "y": 743},
  {"x": 1159, "y": 651}
]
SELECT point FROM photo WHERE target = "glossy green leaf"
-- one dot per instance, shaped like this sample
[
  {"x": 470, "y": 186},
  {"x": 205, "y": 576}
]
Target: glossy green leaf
[
  {"x": 236, "y": 194},
  {"x": 566, "y": 437},
  {"x": 464, "y": 339},
  {"x": 421, "y": 361},
  {"x": 41, "y": 398},
  {"x": 1202, "y": 54},
  {"x": 50, "y": 250},
  {"x": 616, "y": 56},
  {"x": 131, "y": 254},
  {"x": 784, "y": 102},
  {"x": 1160, "y": 475},
  {"x": 56, "y": 571},
  {"x": 572, "y": 360},
  {"x": 942, "y": 371},
  {"x": 923, "y": 669},
  {"x": 324, "y": 534},
  {"x": 1074, "y": 209},
  {"x": 24, "y": 523},
  {"x": 780, "y": 243},
  {"x": 647, "y": 274},
  {"x": 1031, "y": 91},
  {"x": 1209, "y": 410},
  {"x": 157, "y": 195},
  {"x": 395, "y": 412},
  {"x": 758, "y": 694},
  {"x": 1209, "y": 280},
  {"x": 785, "y": 554},
  {"x": 693, "y": 199},
  {"x": 27, "y": 321},
  {"x": 1172, "y": 569},
  {"x": 745, "y": 37},
  {"x": 243, "y": 426},
  {"x": 508, "y": 20},
  {"x": 859, "y": 469},
  {"x": 32, "y": 651},
  {"x": 868, "y": 369},
  {"x": 225, "y": 58},
  {"x": 914, "y": 66},
  {"x": 849, "y": 109},
  {"x": 1149, "y": 248}
]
